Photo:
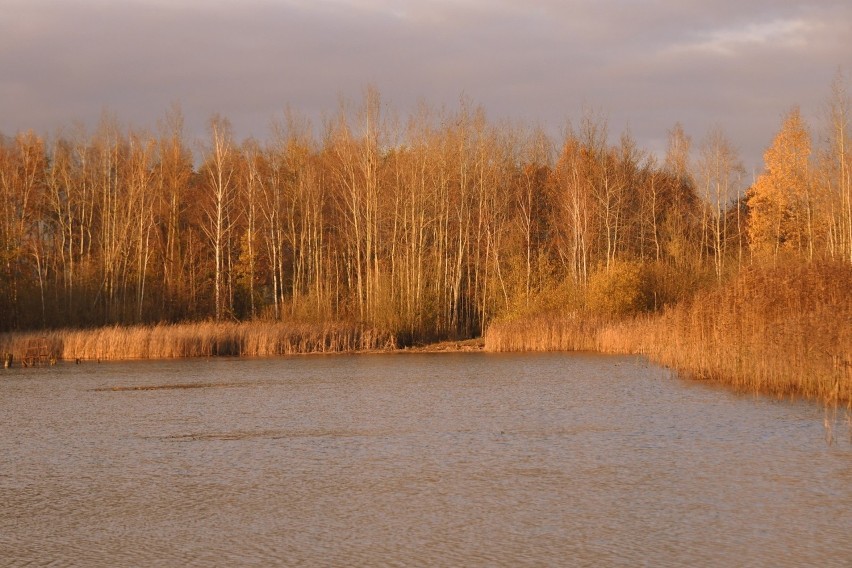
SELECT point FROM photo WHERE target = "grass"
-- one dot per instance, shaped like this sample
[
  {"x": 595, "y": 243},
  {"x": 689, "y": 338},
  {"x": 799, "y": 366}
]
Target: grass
[
  {"x": 575, "y": 332},
  {"x": 205, "y": 339},
  {"x": 785, "y": 331}
]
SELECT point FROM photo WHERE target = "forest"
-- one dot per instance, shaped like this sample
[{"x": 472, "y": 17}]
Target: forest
[{"x": 430, "y": 226}]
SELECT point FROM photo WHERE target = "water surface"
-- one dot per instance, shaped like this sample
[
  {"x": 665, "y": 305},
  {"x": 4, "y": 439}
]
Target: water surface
[{"x": 416, "y": 460}]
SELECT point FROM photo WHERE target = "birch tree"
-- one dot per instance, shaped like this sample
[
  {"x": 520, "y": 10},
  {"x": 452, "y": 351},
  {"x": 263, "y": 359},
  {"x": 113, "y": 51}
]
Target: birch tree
[
  {"x": 218, "y": 205},
  {"x": 720, "y": 171}
]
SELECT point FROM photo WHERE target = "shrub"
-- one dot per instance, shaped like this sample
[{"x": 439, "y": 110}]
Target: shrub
[{"x": 622, "y": 289}]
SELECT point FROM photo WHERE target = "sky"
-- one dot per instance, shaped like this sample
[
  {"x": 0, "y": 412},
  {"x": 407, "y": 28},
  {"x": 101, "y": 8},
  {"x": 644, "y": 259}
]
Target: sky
[{"x": 736, "y": 65}]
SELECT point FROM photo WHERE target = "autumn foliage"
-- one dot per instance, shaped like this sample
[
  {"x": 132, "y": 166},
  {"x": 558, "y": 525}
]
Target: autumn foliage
[
  {"x": 431, "y": 228},
  {"x": 439, "y": 225},
  {"x": 781, "y": 204}
]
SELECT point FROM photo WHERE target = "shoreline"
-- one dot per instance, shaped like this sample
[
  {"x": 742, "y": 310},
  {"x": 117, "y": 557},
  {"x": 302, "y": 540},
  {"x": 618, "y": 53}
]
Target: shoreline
[
  {"x": 764, "y": 331},
  {"x": 480, "y": 345},
  {"x": 209, "y": 340}
]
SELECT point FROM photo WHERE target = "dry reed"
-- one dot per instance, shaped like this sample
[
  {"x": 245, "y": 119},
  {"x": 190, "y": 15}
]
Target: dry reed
[
  {"x": 545, "y": 332},
  {"x": 785, "y": 331},
  {"x": 204, "y": 339}
]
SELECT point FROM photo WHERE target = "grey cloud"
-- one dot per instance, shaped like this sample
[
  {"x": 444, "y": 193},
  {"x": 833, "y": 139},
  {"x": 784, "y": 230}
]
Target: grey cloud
[{"x": 646, "y": 63}]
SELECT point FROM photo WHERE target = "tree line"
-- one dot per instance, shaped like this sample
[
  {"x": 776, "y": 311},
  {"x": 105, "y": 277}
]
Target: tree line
[{"x": 430, "y": 226}]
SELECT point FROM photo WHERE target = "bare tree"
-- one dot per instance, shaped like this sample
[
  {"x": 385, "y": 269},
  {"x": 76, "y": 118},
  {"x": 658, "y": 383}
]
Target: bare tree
[
  {"x": 220, "y": 195},
  {"x": 721, "y": 171}
]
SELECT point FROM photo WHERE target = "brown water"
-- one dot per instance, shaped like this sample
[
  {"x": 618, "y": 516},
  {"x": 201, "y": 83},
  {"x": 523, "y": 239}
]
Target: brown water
[{"x": 415, "y": 460}]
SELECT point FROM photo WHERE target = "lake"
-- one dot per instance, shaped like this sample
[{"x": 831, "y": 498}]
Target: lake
[{"x": 466, "y": 459}]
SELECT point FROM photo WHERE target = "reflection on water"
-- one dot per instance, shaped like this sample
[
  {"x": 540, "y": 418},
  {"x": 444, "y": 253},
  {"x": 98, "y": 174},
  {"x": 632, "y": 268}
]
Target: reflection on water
[{"x": 450, "y": 460}]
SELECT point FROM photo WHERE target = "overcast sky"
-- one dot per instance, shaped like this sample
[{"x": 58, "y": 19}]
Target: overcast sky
[{"x": 736, "y": 64}]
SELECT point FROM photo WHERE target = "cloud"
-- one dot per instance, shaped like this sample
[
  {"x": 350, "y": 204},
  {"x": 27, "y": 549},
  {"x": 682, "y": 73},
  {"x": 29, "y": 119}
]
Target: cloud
[
  {"x": 734, "y": 41},
  {"x": 648, "y": 64}
]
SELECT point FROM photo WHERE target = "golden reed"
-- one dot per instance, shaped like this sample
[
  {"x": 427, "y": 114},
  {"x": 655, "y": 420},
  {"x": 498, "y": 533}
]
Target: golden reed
[
  {"x": 785, "y": 331},
  {"x": 204, "y": 339},
  {"x": 574, "y": 332}
]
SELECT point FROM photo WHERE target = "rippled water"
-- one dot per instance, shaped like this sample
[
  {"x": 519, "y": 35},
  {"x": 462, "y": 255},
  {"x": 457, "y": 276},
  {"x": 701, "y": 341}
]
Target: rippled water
[{"x": 427, "y": 459}]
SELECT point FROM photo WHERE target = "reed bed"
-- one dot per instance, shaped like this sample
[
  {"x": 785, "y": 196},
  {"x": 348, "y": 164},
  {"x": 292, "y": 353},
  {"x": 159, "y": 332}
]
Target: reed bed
[
  {"x": 784, "y": 331},
  {"x": 204, "y": 339},
  {"x": 573, "y": 332}
]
